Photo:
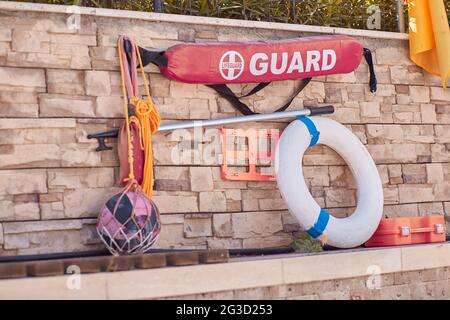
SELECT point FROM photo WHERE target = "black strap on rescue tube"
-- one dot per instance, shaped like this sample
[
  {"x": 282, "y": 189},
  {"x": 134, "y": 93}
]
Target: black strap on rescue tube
[
  {"x": 155, "y": 57},
  {"x": 373, "y": 79},
  {"x": 224, "y": 91}
]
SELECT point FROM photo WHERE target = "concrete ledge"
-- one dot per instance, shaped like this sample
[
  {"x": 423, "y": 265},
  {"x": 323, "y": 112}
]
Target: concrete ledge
[
  {"x": 162, "y": 17},
  {"x": 240, "y": 274}
]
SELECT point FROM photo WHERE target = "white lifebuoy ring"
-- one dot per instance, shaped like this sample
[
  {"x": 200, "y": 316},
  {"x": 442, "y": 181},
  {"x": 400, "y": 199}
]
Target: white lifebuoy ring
[{"x": 342, "y": 233}]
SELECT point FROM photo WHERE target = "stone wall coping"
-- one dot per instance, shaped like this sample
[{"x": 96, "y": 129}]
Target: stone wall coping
[
  {"x": 174, "y": 18},
  {"x": 235, "y": 275}
]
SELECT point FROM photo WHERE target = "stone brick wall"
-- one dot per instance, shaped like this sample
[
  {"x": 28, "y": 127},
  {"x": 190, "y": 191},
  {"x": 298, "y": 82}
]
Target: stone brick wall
[
  {"x": 430, "y": 284},
  {"x": 57, "y": 85}
]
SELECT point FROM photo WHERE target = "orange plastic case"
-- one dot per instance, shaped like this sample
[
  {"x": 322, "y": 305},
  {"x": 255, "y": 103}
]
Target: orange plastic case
[
  {"x": 408, "y": 230},
  {"x": 252, "y": 155}
]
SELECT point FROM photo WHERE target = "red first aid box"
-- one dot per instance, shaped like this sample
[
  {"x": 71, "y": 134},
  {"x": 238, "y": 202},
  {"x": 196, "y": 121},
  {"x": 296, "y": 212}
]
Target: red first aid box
[{"x": 408, "y": 230}]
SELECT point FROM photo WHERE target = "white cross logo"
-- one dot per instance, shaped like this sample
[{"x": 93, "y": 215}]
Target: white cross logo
[{"x": 231, "y": 65}]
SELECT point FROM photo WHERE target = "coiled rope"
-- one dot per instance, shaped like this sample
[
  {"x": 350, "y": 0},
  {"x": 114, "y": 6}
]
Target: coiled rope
[{"x": 148, "y": 121}]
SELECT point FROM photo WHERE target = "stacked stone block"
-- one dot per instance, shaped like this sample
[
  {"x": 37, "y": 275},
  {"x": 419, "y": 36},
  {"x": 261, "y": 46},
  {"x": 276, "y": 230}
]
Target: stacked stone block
[
  {"x": 429, "y": 284},
  {"x": 58, "y": 84}
]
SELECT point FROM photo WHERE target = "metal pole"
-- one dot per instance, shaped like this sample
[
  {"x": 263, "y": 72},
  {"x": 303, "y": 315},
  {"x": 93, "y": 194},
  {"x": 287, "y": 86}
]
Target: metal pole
[
  {"x": 158, "y": 6},
  {"x": 400, "y": 17},
  {"x": 101, "y": 136},
  {"x": 251, "y": 118}
]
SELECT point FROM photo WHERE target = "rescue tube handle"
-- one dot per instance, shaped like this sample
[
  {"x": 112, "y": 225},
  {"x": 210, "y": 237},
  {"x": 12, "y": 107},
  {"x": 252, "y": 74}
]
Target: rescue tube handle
[{"x": 321, "y": 110}]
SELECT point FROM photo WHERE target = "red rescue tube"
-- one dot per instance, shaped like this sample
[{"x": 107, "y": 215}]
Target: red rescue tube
[{"x": 262, "y": 61}]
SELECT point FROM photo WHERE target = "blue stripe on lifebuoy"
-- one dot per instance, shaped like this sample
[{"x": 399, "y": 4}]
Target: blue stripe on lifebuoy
[
  {"x": 319, "y": 227},
  {"x": 315, "y": 134}
]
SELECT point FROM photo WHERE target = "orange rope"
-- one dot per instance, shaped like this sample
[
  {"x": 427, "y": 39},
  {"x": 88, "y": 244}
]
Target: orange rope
[{"x": 148, "y": 121}]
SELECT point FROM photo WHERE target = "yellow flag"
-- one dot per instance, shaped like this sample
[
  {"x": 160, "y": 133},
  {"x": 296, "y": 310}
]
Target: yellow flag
[{"x": 429, "y": 37}]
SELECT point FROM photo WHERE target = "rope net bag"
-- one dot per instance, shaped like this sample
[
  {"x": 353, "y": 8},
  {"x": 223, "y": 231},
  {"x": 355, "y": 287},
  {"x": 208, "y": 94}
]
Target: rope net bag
[{"x": 129, "y": 222}]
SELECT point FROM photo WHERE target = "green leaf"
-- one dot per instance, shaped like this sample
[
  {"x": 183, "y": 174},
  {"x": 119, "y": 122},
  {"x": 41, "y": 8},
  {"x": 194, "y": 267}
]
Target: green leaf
[{"x": 305, "y": 244}]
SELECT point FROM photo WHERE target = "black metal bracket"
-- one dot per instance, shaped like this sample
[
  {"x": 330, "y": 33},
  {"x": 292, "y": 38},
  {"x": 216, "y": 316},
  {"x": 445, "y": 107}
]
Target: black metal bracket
[
  {"x": 101, "y": 139},
  {"x": 373, "y": 79},
  {"x": 113, "y": 133}
]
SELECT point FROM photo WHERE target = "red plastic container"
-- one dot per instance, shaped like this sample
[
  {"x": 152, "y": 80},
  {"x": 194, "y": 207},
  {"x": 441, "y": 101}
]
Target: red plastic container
[
  {"x": 408, "y": 230},
  {"x": 252, "y": 154}
]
